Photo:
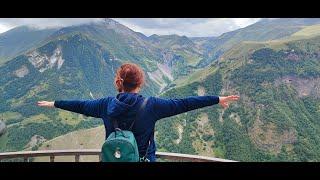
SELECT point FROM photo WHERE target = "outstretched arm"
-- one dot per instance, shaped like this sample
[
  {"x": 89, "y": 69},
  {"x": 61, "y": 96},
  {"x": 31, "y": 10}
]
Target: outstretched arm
[
  {"x": 170, "y": 107},
  {"x": 93, "y": 108}
]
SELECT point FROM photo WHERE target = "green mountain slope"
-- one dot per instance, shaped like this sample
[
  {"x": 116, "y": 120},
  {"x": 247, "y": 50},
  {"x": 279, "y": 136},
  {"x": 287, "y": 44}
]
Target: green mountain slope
[
  {"x": 165, "y": 57},
  {"x": 264, "y": 30},
  {"x": 72, "y": 67},
  {"x": 91, "y": 138},
  {"x": 183, "y": 52},
  {"x": 18, "y": 40},
  {"x": 276, "y": 118}
]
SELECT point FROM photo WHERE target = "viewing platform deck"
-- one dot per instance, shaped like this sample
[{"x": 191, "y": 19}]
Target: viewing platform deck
[{"x": 51, "y": 154}]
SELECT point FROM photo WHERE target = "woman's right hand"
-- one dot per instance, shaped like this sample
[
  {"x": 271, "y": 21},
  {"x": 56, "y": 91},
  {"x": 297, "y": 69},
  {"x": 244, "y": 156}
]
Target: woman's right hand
[
  {"x": 49, "y": 104},
  {"x": 225, "y": 100}
]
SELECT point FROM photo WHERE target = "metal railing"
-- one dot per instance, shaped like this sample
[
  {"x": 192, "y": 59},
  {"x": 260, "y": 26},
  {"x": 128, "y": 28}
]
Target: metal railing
[{"x": 26, "y": 155}]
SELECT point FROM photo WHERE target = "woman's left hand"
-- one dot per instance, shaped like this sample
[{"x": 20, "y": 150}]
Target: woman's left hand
[
  {"x": 225, "y": 100},
  {"x": 46, "y": 104}
]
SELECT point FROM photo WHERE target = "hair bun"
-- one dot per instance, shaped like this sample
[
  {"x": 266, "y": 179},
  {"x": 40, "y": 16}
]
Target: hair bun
[{"x": 132, "y": 75}]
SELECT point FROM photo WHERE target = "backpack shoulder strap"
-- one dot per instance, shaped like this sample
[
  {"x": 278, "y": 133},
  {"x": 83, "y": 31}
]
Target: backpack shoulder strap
[{"x": 115, "y": 123}]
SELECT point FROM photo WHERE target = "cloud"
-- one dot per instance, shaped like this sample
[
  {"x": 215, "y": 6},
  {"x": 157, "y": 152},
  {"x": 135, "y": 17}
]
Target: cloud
[
  {"x": 3, "y": 28},
  {"x": 9, "y": 23},
  {"x": 186, "y": 26},
  {"x": 192, "y": 27}
]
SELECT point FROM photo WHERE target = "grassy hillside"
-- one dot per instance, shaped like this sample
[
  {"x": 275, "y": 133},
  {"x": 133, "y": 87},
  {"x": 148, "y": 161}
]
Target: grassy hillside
[
  {"x": 277, "y": 116},
  {"x": 179, "y": 45},
  {"x": 308, "y": 31},
  {"x": 264, "y": 30},
  {"x": 82, "y": 139},
  {"x": 72, "y": 67},
  {"x": 18, "y": 40}
]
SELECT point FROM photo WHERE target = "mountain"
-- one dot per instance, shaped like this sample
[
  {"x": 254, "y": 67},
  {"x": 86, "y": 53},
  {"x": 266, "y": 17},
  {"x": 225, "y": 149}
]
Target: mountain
[
  {"x": 72, "y": 65},
  {"x": 273, "y": 65},
  {"x": 20, "y": 39},
  {"x": 264, "y": 30},
  {"x": 277, "y": 117},
  {"x": 124, "y": 43},
  {"x": 204, "y": 43},
  {"x": 180, "y": 45},
  {"x": 164, "y": 57}
]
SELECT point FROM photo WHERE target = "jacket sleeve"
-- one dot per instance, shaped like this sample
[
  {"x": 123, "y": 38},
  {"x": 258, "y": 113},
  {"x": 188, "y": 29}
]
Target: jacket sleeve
[
  {"x": 93, "y": 108},
  {"x": 170, "y": 107}
]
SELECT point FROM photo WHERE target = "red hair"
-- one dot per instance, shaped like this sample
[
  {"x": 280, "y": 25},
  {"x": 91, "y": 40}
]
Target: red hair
[{"x": 129, "y": 77}]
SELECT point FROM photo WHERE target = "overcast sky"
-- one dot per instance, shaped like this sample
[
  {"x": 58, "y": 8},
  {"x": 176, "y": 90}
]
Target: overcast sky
[{"x": 192, "y": 27}]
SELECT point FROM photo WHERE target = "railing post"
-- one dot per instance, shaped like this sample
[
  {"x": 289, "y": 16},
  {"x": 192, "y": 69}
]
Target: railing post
[
  {"x": 100, "y": 157},
  {"x": 77, "y": 157},
  {"x": 52, "y": 158}
]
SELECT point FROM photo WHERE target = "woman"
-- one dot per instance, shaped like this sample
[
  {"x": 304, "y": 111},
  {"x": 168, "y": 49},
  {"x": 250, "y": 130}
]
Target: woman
[{"x": 126, "y": 105}]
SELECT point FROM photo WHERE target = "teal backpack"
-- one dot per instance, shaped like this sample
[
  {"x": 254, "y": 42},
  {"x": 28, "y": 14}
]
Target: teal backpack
[{"x": 121, "y": 145}]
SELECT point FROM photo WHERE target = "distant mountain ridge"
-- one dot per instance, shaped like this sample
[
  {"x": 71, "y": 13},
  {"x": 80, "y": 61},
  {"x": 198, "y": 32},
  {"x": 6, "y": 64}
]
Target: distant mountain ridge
[
  {"x": 20, "y": 39},
  {"x": 264, "y": 30}
]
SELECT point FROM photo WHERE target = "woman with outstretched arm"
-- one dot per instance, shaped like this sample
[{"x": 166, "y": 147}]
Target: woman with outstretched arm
[{"x": 128, "y": 80}]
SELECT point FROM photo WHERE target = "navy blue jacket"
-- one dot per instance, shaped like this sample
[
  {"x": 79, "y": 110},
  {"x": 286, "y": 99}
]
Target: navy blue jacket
[{"x": 124, "y": 108}]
